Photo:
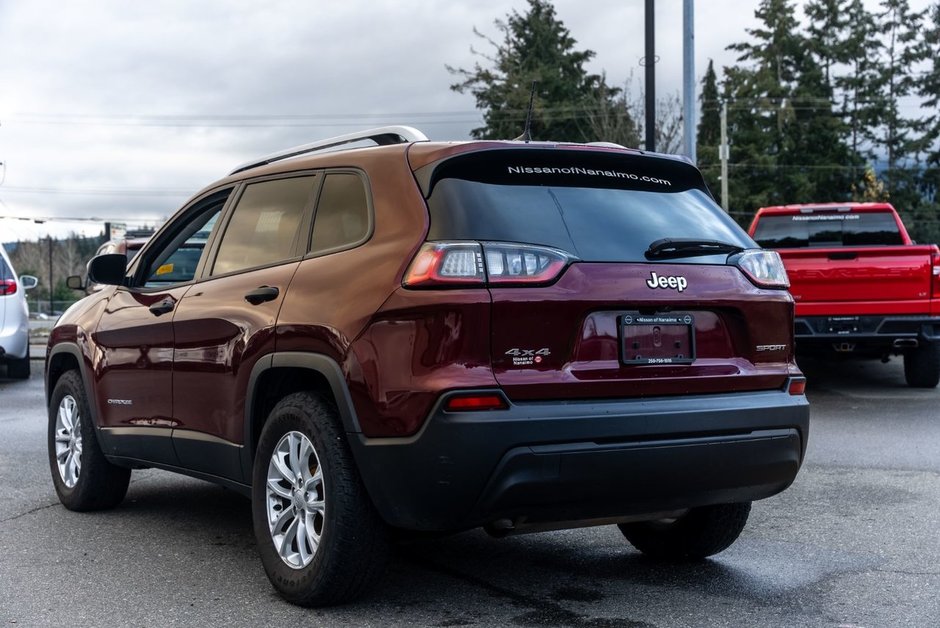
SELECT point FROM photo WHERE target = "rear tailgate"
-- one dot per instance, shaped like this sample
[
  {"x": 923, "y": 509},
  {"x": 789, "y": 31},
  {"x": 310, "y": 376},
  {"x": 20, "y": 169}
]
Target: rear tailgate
[
  {"x": 620, "y": 318},
  {"x": 579, "y": 338},
  {"x": 888, "y": 279}
]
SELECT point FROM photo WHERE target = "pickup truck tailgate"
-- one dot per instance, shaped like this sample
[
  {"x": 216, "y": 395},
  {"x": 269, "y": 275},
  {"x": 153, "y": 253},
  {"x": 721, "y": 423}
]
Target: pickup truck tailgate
[{"x": 867, "y": 274}]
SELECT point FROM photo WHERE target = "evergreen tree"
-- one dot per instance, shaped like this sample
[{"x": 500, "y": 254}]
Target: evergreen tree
[
  {"x": 612, "y": 119},
  {"x": 895, "y": 137},
  {"x": 928, "y": 88},
  {"x": 709, "y": 129},
  {"x": 901, "y": 53},
  {"x": 817, "y": 155},
  {"x": 787, "y": 142},
  {"x": 757, "y": 90},
  {"x": 927, "y": 228},
  {"x": 535, "y": 46},
  {"x": 860, "y": 87},
  {"x": 826, "y": 33}
]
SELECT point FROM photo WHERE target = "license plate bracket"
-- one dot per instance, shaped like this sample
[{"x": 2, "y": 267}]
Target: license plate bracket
[{"x": 665, "y": 338}]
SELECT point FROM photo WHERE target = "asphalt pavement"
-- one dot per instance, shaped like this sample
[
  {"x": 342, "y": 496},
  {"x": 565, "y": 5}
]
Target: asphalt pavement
[{"x": 852, "y": 543}]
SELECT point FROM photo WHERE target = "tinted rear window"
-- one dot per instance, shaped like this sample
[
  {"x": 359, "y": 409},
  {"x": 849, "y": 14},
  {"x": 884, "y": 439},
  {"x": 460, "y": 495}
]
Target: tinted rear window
[
  {"x": 827, "y": 230},
  {"x": 599, "y": 207}
]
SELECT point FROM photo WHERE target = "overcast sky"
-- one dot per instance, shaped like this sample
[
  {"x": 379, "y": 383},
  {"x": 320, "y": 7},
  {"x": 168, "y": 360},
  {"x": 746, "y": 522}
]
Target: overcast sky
[{"x": 121, "y": 110}]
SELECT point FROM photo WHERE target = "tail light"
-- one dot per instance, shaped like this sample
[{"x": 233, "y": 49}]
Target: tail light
[
  {"x": 480, "y": 264},
  {"x": 764, "y": 268},
  {"x": 935, "y": 274},
  {"x": 7, "y": 287},
  {"x": 797, "y": 386},
  {"x": 473, "y": 402}
]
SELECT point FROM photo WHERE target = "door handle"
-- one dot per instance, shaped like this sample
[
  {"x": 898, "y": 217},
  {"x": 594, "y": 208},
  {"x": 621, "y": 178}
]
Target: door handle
[
  {"x": 162, "y": 307},
  {"x": 262, "y": 294}
]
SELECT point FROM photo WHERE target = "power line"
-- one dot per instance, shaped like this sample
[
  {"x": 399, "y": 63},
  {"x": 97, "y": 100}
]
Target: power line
[{"x": 104, "y": 191}]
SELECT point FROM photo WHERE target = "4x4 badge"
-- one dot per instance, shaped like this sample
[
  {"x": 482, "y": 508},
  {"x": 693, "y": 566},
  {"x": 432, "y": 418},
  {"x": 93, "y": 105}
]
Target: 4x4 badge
[
  {"x": 527, "y": 357},
  {"x": 674, "y": 283}
]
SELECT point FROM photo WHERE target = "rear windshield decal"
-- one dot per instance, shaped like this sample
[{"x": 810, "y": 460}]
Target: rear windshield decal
[
  {"x": 826, "y": 217},
  {"x": 586, "y": 171}
]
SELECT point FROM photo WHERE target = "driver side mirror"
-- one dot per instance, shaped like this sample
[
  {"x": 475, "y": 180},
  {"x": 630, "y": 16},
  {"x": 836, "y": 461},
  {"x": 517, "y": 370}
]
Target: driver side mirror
[
  {"x": 28, "y": 282},
  {"x": 108, "y": 269}
]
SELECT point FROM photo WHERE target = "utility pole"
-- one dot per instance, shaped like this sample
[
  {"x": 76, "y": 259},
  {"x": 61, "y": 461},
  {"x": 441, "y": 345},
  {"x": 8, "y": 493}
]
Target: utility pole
[
  {"x": 688, "y": 78},
  {"x": 649, "y": 62},
  {"x": 723, "y": 155},
  {"x": 50, "y": 275}
]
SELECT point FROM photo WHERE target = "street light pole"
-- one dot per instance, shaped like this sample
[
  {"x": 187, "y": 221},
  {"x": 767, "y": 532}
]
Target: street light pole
[
  {"x": 50, "y": 275},
  {"x": 688, "y": 78},
  {"x": 649, "y": 63}
]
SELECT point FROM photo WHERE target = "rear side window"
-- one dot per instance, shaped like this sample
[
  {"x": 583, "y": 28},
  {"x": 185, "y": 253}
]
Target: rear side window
[
  {"x": 604, "y": 208},
  {"x": 342, "y": 217},
  {"x": 5, "y": 272},
  {"x": 264, "y": 226},
  {"x": 828, "y": 230}
]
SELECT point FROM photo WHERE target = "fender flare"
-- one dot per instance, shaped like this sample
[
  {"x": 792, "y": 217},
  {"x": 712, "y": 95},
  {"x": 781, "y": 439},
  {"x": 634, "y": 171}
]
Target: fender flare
[
  {"x": 75, "y": 351},
  {"x": 318, "y": 363}
]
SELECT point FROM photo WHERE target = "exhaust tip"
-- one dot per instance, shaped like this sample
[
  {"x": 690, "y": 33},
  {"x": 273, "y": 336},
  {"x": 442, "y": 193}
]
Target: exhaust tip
[{"x": 906, "y": 343}]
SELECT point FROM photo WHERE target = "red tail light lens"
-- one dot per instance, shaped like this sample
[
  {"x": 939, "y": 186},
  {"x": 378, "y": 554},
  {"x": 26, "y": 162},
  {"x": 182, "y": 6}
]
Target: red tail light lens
[
  {"x": 797, "y": 386},
  {"x": 935, "y": 273},
  {"x": 474, "y": 402},
  {"x": 7, "y": 287},
  {"x": 447, "y": 264},
  {"x": 488, "y": 263}
]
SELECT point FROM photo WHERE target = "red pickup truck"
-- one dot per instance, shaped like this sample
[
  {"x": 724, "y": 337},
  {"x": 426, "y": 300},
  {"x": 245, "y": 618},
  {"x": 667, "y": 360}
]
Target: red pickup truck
[{"x": 862, "y": 287}]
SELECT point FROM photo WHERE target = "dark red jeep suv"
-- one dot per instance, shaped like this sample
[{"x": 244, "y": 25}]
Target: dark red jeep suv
[{"x": 429, "y": 337}]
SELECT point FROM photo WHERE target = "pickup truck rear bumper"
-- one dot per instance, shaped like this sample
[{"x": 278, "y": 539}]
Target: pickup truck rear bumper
[{"x": 865, "y": 334}]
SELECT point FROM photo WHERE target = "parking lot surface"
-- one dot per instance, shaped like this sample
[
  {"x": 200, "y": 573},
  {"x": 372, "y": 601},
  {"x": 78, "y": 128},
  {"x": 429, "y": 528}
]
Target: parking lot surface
[{"x": 852, "y": 543}]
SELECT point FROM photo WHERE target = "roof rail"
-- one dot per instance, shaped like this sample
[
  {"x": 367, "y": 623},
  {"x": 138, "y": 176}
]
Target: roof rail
[{"x": 381, "y": 136}]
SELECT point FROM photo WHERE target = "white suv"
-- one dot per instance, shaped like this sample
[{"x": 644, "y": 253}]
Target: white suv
[{"x": 14, "y": 318}]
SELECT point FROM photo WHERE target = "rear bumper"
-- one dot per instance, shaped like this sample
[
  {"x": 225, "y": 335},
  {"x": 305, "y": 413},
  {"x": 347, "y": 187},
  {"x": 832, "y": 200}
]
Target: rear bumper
[
  {"x": 14, "y": 341},
  {"x": 542, "y": 462},
  {"x": 859, "y": 334}
]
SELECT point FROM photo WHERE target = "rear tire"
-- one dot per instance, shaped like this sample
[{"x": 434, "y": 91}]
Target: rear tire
[
  {"x": 699, "y": 533},
  {"x": 320, "y": 539},
  {"x": 19, "y": 369},
  {"x": 83, "y": 478},
  {"x": 922, "y": 366}
]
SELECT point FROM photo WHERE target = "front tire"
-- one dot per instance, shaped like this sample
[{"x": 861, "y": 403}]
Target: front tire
[
  {"x": 699, "y": 533},
  {"x": 83, "y": 478},
  {"x": 320, "y": 539},
  {"x": 922, "y": 366}
]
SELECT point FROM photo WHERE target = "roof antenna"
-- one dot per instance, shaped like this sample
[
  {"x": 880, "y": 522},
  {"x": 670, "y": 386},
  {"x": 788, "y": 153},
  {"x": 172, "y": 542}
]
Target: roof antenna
[{"x": 526, "y": 134}]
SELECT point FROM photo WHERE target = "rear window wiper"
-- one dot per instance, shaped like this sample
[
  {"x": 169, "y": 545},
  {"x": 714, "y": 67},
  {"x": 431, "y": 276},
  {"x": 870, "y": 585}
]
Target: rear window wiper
[{"x": 671, "y": 248}]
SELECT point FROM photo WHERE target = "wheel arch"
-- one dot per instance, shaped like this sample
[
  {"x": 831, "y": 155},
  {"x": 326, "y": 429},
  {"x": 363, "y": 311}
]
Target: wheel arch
[
  {"x": 279, "y": 374},
  {"x": 63, "y": 358}
]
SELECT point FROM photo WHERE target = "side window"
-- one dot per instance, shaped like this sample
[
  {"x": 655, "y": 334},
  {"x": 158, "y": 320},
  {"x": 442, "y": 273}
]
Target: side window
[
  {"x": 178, "y": 261},
  {"x": 265, "y": 224},
  {"x": 342, "y": 216}
]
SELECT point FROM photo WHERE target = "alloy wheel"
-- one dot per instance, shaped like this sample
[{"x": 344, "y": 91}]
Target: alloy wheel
[
  {"x": 295, "y": 499},
  {"x": 68, "y": 441}
]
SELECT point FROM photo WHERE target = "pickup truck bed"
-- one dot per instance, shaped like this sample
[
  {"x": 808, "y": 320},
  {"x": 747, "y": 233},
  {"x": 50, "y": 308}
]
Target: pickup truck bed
[{"x": 862, "y": 288}]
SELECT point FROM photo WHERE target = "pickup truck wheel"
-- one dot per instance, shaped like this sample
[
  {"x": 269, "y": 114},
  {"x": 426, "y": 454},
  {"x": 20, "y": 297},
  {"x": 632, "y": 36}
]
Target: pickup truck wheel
[
  {"x": 83, "y": 478},
  {"x": 922, "y": 366},
  {"x": 697, "y": 534},
  {"x": 19, "y": 369},
  {"x": 320, "y": 539}
]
